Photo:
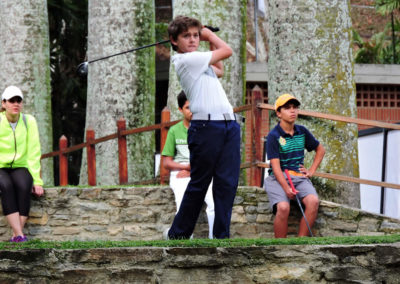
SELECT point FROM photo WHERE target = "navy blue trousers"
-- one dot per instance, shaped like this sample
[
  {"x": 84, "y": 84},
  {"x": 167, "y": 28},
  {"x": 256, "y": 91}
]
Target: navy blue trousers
[{"x": 214, "y": 154}]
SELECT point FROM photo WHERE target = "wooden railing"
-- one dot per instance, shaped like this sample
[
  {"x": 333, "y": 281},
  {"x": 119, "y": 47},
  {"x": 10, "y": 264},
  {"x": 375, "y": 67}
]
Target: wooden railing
[
  {"x": 367, "y": 122},
  {"x": 256, "y": 166},
  {"x": 90, "y": 143}
]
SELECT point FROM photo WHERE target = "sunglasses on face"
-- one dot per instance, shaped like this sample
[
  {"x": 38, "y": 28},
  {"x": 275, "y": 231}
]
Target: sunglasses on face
[{"x": 15, "y": 100}]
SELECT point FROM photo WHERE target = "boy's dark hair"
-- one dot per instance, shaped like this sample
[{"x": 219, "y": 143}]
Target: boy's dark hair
[
  {"x": 182, "y": 99},
  {"x": 181, "y": 24}
]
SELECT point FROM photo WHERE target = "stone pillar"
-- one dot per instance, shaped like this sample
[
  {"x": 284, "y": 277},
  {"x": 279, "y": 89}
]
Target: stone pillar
[
  {"x": 310, "y": 56},
  {"x": 122, "y": 86},
  {"x": 24, "y": 61},
  {"x": 230, "y": 17}
]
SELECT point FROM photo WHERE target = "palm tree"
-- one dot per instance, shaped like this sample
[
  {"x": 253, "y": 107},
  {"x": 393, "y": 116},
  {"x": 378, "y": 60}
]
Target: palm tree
[
  {"x": 24, "y": 58},
  {"x": 309, "y": 56},
  {"x": 123, "y": 86}
]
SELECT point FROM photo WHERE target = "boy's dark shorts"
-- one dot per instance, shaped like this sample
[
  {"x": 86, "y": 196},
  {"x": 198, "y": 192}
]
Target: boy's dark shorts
[{"x": 276, "y": 194}]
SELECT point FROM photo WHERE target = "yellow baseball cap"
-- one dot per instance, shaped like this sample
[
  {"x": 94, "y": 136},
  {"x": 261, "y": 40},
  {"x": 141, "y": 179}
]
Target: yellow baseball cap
[{"x": 283, "y": 99}]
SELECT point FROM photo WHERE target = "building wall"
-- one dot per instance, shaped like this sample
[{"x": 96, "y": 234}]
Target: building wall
[{"x": 378, "y": 102}]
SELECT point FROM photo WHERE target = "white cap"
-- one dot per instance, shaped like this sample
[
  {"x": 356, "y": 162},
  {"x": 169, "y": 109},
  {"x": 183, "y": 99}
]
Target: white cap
[{"x": 10, "y": 92}]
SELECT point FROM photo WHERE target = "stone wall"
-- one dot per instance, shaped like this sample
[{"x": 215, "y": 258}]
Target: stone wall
[
  {"x": 271, "y": 264},
  {"x": 143, "y": 213}
]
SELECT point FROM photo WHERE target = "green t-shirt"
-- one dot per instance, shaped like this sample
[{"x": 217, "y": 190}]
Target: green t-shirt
[{"x": 176, "y": 145}]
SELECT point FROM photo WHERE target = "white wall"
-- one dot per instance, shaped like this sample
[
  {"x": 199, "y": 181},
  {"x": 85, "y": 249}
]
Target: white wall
[{"x": 370, "y": 148}]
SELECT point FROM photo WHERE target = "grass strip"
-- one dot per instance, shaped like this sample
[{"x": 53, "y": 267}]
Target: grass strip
[{"x": 198, "y": 243}]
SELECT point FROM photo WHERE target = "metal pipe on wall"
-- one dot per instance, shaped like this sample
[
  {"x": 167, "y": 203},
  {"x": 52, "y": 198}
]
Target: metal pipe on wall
[{"x": 383, "y": 179}]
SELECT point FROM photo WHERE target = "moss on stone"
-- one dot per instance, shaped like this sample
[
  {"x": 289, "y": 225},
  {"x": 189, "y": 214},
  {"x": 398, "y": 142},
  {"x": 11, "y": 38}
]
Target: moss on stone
[{"x": 142, "y": 146}]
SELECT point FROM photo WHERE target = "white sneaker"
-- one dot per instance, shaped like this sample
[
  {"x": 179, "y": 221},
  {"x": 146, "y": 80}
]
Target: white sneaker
[{"x": 165, "y": 234}]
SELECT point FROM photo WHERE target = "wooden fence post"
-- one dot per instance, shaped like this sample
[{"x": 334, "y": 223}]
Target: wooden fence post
[
  {"x": 63, "y": 161},
  {"x": 165, "y": 117},
  {"x": 122, "y": 152},
  {"x": 256, "y": 97},
  {"x": 91, "y": 157}
]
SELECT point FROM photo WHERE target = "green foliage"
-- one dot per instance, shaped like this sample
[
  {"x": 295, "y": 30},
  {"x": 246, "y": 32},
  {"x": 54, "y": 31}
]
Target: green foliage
[
  {"x": 370, "y": 51},
  {"x": 385, "y": 7},
  {"x": 348, "y": 240},
  {"x": 161, "y": 31},
  {"x": 378, "y": 49},
  {"x": 383, "y": 47}
]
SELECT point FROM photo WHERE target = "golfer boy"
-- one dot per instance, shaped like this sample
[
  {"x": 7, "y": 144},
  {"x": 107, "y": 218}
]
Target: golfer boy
[
  {"x": 285, "y": 150},
  {"x": 213, "y": 135}
]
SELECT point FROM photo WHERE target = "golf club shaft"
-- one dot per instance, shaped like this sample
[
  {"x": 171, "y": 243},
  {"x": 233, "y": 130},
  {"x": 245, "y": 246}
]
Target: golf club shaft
[
  {"x": 213, "y": 29},
  {"x": 130, "y": 50},
  {"x": 298, "y": 201},
  {"x": 304, "y": 215}
]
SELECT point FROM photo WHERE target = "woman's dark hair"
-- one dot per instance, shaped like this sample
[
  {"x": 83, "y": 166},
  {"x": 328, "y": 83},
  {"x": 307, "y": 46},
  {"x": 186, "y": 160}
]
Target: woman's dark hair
[
  {"x": 182, "y": 99},
  {"x": 181, "y": 24}
]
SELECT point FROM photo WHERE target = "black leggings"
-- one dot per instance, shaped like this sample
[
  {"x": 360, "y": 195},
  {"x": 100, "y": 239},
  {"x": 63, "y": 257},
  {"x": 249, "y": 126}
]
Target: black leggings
[{"x": 16, "y": 188}]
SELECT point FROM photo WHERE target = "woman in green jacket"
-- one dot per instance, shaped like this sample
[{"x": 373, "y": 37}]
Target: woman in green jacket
[{"x": 19, "y": 161}]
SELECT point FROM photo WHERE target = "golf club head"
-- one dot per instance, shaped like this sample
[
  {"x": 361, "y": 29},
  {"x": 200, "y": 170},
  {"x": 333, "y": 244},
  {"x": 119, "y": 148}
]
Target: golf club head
[
  {"x": 213, "y": 29},
  {"x": 82, "y": 69}
]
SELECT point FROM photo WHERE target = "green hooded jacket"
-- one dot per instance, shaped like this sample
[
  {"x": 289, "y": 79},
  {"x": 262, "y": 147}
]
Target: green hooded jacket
[{"x": 20, "y": 149}]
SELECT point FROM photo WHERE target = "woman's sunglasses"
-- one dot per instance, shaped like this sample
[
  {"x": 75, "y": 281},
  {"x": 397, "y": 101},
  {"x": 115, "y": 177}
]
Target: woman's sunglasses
[{"x": 15, "y": 100}]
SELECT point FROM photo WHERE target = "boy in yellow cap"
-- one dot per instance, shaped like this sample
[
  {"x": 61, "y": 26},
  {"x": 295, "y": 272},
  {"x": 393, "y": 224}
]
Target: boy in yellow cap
[{"x": 285, "y": 150}]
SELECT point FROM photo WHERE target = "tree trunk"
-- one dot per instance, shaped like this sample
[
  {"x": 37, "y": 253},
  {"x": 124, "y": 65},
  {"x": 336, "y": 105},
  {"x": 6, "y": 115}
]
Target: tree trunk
[
  {"x": 310, "y": 56},
  {"x": 230, "y": 17},
  {"x": 122, "y": 86},
  {"x": 24, "y": 61}
]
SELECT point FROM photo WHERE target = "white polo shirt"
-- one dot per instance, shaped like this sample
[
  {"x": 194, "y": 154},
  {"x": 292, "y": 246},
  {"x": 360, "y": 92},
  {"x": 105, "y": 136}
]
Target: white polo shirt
[{"x": 200, "y": 83}]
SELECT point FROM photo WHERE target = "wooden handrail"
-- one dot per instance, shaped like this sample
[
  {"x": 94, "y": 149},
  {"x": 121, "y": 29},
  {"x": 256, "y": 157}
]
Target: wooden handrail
[
  {"x": 122, "y": 133},
  {"x": 125, "y": 132},
  {"x": 345, "y": 178},
  {"x": 340, "y": 118},
  {"x": 242, "y": 108},
  {"x": 108, "y": 137}
]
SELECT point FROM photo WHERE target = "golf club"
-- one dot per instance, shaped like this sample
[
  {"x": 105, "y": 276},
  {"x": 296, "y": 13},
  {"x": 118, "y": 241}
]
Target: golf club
[
  {"x": 82, "y": 68},
  {"x": 298, "y": 201}
]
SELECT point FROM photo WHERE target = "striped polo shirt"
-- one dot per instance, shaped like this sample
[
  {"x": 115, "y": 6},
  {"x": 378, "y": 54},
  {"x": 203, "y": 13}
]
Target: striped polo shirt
[{"x": 290, "y": 149}]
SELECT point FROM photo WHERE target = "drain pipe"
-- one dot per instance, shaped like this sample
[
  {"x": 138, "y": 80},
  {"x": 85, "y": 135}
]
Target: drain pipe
[{"x": 383, "y": 179}]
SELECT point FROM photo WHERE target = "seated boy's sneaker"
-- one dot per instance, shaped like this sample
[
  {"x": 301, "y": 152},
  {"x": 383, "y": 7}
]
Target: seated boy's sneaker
[{"x": 165, "y": 234}]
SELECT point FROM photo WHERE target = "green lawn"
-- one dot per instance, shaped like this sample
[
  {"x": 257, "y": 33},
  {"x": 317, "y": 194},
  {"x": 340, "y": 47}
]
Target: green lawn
[{"x": 36, "y": 244}]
